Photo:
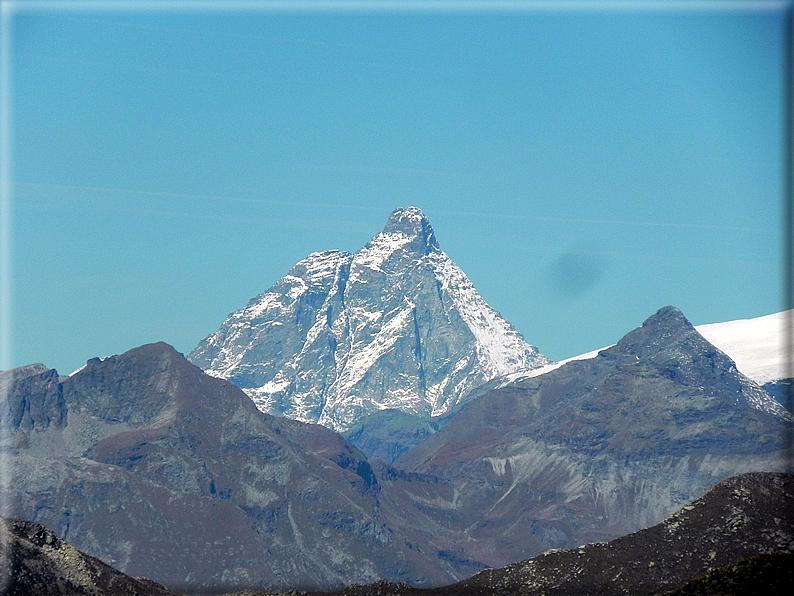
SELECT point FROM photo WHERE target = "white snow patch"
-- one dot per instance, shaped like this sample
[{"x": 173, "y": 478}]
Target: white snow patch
[
  {"x": 298, "y": 289},
  {"x": 520, "y": 376},
  {"x": 379, "y": 249},
  {"x": 266, "y": 302},
  {"x": 364, "y": 356},
  {"x": 275, "y": 385},
  {"x": 78, "y": 370},
  {"x": 757, "y": 346}
]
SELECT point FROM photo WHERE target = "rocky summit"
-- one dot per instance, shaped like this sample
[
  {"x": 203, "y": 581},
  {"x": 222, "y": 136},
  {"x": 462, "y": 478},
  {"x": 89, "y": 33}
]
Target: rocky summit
[
  {"x": 394, "y": 326},
  {"x": 597, "y": 448}
]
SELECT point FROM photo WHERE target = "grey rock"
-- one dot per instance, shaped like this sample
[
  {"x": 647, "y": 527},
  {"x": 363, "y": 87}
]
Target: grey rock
[
  {"x": 33, "y": 399},
  {"x": 783, "y": 391}
]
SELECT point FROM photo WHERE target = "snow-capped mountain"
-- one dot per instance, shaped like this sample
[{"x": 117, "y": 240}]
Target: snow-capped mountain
[
  {"x": 759, "y": 347},
  {"x": 395, "y": 325}
]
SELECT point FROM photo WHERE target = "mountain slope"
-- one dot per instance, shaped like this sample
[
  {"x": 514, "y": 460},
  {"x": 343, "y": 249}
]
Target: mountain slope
[
  {"x": 162, "y": 471},
  {"x": 396, "y": 325},
  {"x": 757, "y": 346},
  {"x": 761, "y": 348},
  {"x": 596, "y": 448},
  {"x": 745, "y": 516}
]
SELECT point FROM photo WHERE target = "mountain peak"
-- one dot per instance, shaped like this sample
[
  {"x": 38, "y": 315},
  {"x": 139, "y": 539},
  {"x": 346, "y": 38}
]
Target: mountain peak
[
  {"x": 412, "y": 223},
  {"x": 395, "y": 325},
  {"x": 667, "y": 329}
]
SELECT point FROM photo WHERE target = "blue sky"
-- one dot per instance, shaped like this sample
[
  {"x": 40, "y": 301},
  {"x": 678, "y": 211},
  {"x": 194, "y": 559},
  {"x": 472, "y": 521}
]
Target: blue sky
[{"x": 583, "y": 167}]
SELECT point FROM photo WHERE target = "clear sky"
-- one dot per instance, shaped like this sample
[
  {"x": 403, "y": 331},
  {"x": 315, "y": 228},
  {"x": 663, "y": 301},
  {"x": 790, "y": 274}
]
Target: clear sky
[{"x": 583, "y": 167}]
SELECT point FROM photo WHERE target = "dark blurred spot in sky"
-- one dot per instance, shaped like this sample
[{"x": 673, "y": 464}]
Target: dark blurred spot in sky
[{"x": 573, "y": 274}]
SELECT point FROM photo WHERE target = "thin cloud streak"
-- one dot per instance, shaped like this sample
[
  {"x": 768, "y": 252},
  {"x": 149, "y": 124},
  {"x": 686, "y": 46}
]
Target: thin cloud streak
[
  {"x": 397, "y": 6},
  {"x": 472, "y": 214}
]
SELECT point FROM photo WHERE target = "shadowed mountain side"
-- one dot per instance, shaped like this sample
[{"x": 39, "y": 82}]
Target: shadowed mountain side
[
  {"x": 742, "y": 517},
  {"x": 162, "y": 471},
  {"x": 387, "y": 435},
  {"x": 596, "y": 448},
  {"x": 762, "y": 575},
  {"x": 34, "y": 561}
]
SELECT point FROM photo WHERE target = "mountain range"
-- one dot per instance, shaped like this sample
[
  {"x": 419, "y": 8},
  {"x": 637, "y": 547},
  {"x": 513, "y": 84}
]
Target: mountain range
[
  {"x": 463, "y": 448},
  {"x": 160, "y": 470}
]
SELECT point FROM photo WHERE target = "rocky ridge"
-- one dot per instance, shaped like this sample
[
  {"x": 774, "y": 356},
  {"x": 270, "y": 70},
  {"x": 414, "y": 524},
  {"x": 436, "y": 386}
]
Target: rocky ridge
[
  {"x": 597, "y": 448},
  {"x": 160, "y": 470}
]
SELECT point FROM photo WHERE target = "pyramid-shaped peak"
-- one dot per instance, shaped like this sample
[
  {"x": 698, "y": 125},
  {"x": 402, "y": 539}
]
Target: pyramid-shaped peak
[
  {"x": 667, "y": 329},
  {"x": 411, "y": 222}
]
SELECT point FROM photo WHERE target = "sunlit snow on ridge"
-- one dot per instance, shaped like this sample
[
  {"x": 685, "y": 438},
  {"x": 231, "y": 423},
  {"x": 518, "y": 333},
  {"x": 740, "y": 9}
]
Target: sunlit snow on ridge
[{"x": 757, "y": 346}]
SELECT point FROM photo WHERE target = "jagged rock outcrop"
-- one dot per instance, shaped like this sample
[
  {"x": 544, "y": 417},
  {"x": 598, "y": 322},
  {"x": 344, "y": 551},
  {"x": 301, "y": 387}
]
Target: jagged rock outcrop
[
  {"x": 36, "y": 562},
  {"x": 396, "y": 325}
]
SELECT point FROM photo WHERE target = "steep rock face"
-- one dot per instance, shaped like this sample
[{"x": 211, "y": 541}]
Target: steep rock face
[
  {"x": 165, "y": 472},
  {"x": 33, "y": 560},
  {"x": 396, "y": 325},
  {"x": 596, "y": 448},
  {"x": 33, "y": 398}
]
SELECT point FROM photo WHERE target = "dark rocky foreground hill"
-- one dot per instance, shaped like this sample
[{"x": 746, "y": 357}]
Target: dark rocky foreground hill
[
  {"x": 36, "y": 562},
  {"x": 761, "y": 575},
  {"x": 731, "y": 533}
]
